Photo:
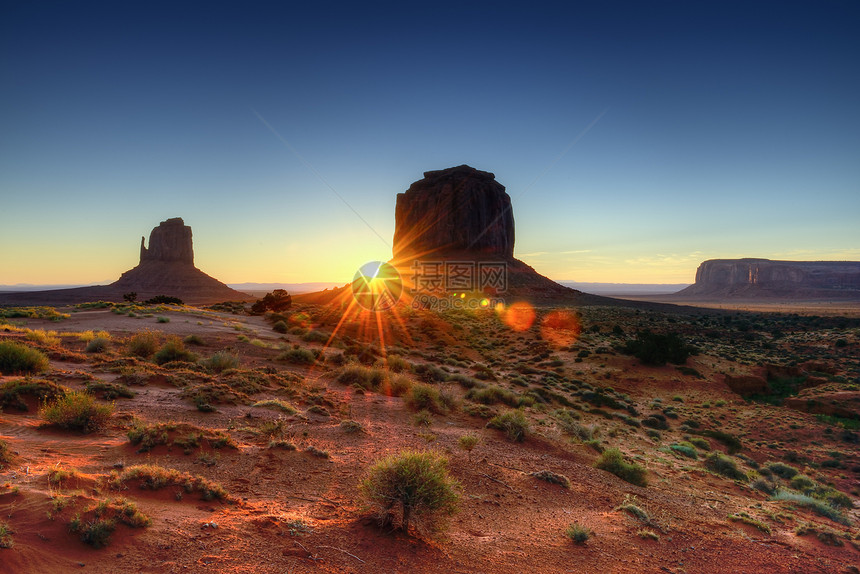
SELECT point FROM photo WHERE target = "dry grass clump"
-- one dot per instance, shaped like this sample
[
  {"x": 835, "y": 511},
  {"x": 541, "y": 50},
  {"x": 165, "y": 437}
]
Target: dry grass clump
[
  {"x": 16, "y": 358},
  {"x": 552, "y": 477},
  {"x": 173, "y": 350},
  {"x": 154, "y": 477},
  {"x": 513, "y": 423},
  {"x": 410, "y": 486},
  {"x": 612, "y": 460},
  {"x": 98, "y": 523},
  {"x": 185, "y": 436},
  {"x": 143, "y": 344},
  {"x": 77, "y": 411}
]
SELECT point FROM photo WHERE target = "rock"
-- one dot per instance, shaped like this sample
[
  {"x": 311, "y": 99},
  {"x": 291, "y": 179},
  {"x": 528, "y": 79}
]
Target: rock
[
  {"x": 763, "y": 278},
  {"x": 454, "y": 210},
  {"x": 170, "y": 241}
]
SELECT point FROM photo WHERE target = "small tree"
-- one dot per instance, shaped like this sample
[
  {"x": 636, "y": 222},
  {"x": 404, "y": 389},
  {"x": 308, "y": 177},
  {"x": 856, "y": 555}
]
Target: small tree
[
  {"x": 655, "y": 349},
  {"x": 277, "y": 301},
  {"x": 130, "y": 297},
  {"x": 415, "y": 484}
]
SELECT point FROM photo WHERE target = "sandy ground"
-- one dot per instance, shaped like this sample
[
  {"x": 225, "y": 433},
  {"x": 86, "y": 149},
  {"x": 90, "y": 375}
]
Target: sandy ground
[{"x": 293, "y": 511}]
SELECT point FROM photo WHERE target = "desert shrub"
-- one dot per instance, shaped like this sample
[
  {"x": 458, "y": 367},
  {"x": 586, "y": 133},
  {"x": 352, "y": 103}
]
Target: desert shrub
[
  {"x": 351, "y": 426},
  {"x": 298, "y": 356},
  {"x": 77, "y": 411},
  {"x": 109, "y": 391},
  {"x": 721, "y": 464},
  {"x": 578, "y": 533},
  {"x": 6, "y": 536},
  {"x": 802, "y": 483},
  {"x": 193, "y": 340},
  {"x": 733, "y": 443},
  {"x": 143, "y": 343},
  {"x": 465, "y": 381},
  {"x": 782, "y": 470},
  {"x": 747, "y": 519},
  {"x": 16, "y": 358},
  {"x": 278, "y": 300},
  {"x": 492, "y": 395},
  {"x": 12, "y": 393},
  {"x": 315, "y": 337},
  {"x": 410, "y": 486},
  {"x": 424, "y": 397},
  {"x": 612, "y": 460},
  {"x": 657, "y": 349},
  {"x": 700, "y": 443},
  {"x": 163, "y": 319},
  {"x": 187, "y": 437},
  {"x": 95, "y": 532},
  {"x": 5, "y": 454},
  {"x": 279, "y": 327},
  {"x": 154, "y": 477},
  {"x": 430, "y": 373},
  {"x": 552, "y": 477},
  {"x": 221, "y": 361},
  {"x": 163, "y": 300},
  {"x": 174, "y": 350},
  {"x": 513, "y": 423},
  {"x": 685, "y": 449},
  {"x": 397, "y": 364},
  {"x": 276, "y": 404},
  {"x": 468, "y": 442},
  {"x": 368, "y": 378},
  {"x": 97, "y": 345},
  {"x": 813, "y": 504}
]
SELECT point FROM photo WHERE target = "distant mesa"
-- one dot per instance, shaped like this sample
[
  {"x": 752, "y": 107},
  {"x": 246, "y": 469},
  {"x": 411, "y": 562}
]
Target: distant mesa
[
  {"x": 166, "y": 268},
  {"x": 766, "y": 279}
]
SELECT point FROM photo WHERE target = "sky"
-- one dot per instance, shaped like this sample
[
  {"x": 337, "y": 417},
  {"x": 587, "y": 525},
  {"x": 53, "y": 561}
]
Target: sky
[{"x": 636, "y": 139}]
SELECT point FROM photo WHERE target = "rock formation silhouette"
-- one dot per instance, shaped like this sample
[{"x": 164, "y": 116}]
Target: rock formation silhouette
[{"x": 165, "y": 268}]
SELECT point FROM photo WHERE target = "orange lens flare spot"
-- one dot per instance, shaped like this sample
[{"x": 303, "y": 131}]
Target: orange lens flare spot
[
  {"x": 520, "y": 316},
  {"x": 561, "y": 328}
]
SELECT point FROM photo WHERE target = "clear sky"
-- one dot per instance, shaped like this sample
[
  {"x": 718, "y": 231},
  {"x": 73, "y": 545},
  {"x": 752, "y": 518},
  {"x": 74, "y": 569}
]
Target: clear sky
[{"x": 636, "y": 139}]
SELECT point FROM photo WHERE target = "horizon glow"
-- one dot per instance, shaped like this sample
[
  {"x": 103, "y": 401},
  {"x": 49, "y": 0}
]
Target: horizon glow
[{"x": 636, "y": 139}]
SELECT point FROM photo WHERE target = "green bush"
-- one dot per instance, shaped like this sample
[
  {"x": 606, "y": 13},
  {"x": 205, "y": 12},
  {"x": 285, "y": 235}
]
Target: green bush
[
  {"x": 94, "y": 532},
  {"x": 656, "y": 349},
  {"x": 5, "y": 536},
  {"x": 578, "y": 533},
  {"x": 298, "y": 356},
  {"x": 77, "y": 411},
  {"x": 721, "y": 464},
  {"x": 613, "y": 461},
  {"x": 813, "y": 504},
  {"x": 97, "y": 345},
  {"x": 174, "y": 350},
  {"x": 16, "y": 358},
  {"x": 143, "y": 343},
  {"x": 513, "y": 423},
  {"x": 425, "y": 397},
  {"x": 221, "y": 361},
  {"x": 685, "y": 449},
  {"x": 279, "y": 327},
  {"x": 410, "y": 486}
]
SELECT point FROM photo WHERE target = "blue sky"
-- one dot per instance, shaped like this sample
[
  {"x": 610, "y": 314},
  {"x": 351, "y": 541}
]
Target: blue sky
[{"x": 636, "y": 139}]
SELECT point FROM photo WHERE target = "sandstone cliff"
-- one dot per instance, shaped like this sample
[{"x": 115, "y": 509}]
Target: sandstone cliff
[{"x": 763, "y": 278}]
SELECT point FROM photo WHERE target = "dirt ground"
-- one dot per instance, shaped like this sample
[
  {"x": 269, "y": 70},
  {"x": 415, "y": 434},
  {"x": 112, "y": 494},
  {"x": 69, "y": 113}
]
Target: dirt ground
[{"x": 300, "y": 510}]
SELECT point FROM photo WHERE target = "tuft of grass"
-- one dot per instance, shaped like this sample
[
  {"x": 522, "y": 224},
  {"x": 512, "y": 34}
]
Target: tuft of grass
[
  {"x": 685, "y": 449},
  {"x": 351, "y": 426},
  {"x": 298, "y": 356},
  {"x": 187, "y": 437},
  {"x": 611, "y": 460},
  {"x": 173, "y": 350},
  {"x": 647, "y": 534},
  {"x": 721, "y": 464},
  {"x": 95, "y": 532},
  {"x": 468, "y": 442},
  {"x": 817, "y": 506},
  {"x": 17, "y": 358},
  {"x": 109, "y": 391},
  {"x": 276, "y": 404},
  {"x": 578, "y": 533},
  {"x": 97, "y": 345},
  {"x": 513, "y": 423},
  {"x": 747, "y": 519},
  {"x": 221, "y": 361},
  {"x": 410, "y": 486},
  {"x": 143, "y": 344},
  {"x": 77, "y": 411},
  {"x": 552, "y": 477},
  {"x": 282, "y": 444},
  {"x": 193, "y": 340},
  {"x": 423, "y": 397},
  {"x": 6, "y": 536},
  {"x": 154, "y": 477}
]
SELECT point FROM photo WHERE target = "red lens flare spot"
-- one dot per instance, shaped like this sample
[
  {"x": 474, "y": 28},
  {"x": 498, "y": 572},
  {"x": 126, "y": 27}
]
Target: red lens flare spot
[
  {"x": 520, "y": 316},
  {"x": 561, "y": 328}
]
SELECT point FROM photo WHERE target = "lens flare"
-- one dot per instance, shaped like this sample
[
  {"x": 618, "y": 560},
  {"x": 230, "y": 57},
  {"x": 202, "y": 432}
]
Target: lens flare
[
  {"x": 520, "y": 316},
  {"x": 561, "y": 328}
]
